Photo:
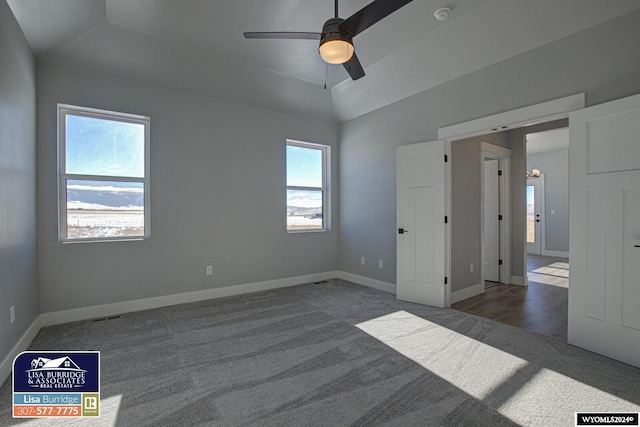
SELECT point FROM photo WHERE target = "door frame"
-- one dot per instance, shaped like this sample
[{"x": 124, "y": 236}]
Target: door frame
[
  {"x": 534, "y": 114},
  {"x": 503, "y": 155}
]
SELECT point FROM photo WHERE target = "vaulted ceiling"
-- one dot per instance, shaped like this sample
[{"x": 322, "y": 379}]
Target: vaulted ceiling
[{"x": 197, "y": 45}]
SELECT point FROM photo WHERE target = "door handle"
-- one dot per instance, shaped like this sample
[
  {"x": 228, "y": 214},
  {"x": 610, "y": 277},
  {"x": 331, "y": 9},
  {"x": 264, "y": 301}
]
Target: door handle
[
  {"x": 636, "y": 246},
  {"x": 402, "y": 231}
]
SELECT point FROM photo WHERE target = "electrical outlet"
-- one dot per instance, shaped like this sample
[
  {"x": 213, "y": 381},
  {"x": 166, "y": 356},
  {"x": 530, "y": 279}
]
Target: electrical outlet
[
  {"x": 209, "y": 270},
  {"x": 12, "y": 310},
  {"x": 380, "y": 263},
  {"x": 471, "y": 268},
  {"x": 362, "y": 260}
]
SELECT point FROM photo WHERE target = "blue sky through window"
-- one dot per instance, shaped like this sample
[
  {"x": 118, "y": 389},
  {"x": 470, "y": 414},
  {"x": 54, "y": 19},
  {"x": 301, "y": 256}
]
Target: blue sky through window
[
  {"x": 104, "y": 147},
  {"x": 304, "y": 166}
]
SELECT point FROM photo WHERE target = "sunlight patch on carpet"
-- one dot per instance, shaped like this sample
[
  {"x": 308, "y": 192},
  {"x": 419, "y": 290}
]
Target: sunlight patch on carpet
[
  {"x": 470, "y": 365},
  {"x": 550, "y": 389},
  {"x": 507, "y": 383}
]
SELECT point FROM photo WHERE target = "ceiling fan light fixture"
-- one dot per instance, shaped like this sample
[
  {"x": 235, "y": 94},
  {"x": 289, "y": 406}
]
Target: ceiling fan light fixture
[
  {"x": 336, "y": 51},
  {"x": 335, "y": 43}
]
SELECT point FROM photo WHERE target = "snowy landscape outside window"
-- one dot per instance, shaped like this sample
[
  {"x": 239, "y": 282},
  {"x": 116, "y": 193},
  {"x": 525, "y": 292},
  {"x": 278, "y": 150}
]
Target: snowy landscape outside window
[
  {"x": 307, "y": 186},
  {"x": 103, "y": 184}
]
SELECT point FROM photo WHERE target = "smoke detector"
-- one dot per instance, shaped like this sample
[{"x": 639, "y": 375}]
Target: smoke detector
[{"x": 442, "y": 13}]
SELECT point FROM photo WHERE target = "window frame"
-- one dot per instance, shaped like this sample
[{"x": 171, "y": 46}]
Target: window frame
[
  {"x": 63, "y": 111},
  {"x": 326, "y": 185}
]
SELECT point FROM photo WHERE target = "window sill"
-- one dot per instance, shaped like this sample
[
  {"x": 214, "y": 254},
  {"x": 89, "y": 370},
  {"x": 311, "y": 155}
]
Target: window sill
[
  {"x": 315, "y": 230},
  {"x": 104, "y": 240}
]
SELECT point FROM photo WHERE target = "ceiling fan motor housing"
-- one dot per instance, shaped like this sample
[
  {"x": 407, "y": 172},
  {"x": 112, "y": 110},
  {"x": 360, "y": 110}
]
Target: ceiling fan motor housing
[{"x": 331, "y": 32}]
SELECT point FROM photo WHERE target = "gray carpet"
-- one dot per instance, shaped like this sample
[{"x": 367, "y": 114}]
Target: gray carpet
[{"x": 333, "y": 353}]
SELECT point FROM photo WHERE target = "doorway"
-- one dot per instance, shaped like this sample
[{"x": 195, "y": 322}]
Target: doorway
[
  {"x": 515, "y": 136},
  {"x": 547, "y": 203},
  {"x": 535, "y": 214},
  {"x": 517, "y": 123}
]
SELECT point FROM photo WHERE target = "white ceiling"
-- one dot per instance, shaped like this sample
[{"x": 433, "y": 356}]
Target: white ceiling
[
  {"x": 197, "y": 45},
  {"x": 550, "y": 140}
]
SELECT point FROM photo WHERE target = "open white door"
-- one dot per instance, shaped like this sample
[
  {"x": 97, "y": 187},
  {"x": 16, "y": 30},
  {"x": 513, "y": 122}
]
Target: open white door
[
  {"x": 604, "y": 293},
  {"x": 421, "y": 251}
]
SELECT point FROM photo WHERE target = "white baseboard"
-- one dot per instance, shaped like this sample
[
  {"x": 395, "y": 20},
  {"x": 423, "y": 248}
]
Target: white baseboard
[
  {"x": 469, "y": 292},
  {"x": 23, "y": 343},
  {"x": 519, "y": 280},
  {"x": 105, "y": 310},
  {"x": 97, "y": 311},
  {"x": 559, "y": 254},
  {"x": 366, "y": 281}
]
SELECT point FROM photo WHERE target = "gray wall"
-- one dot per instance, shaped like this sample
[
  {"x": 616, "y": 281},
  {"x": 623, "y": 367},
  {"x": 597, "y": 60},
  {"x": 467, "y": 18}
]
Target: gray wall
[
  {"x": 18, "y": 244},
  {"x": 555, "y": 167},
  {"x": 465, "y": 213},
  {"x": 601, "y": 61},
  {"x": 217, "y": 197}
]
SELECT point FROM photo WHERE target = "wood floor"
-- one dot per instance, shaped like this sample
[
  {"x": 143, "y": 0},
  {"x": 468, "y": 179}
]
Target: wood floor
[{"x": 540, "y": 307}]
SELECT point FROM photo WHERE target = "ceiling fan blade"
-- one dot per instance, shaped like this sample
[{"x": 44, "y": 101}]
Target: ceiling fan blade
[
  {"x": 282, "y": 35},
  {"x": 370, "y": 14},
  {"x": 354, "y": 68}
]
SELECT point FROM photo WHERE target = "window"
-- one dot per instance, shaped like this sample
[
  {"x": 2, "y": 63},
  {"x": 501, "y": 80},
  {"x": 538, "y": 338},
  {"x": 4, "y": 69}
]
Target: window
[
  {"x": 307, "y": 186},
  {"x": 103, "y": 182}
]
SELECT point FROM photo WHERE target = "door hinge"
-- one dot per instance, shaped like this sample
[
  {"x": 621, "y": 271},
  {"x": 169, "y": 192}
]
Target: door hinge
[
  {"x": 446, "y": 280},
  {"x": 446, "y": 159},
  {"x": 499, "y": 217},
  {"x": 499, "y": 262},
  {"x": 499, "y": 173},
  {"x": 446, "y": 219}
]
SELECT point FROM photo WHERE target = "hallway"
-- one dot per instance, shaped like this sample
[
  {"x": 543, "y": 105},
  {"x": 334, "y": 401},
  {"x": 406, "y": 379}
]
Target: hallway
[{"x": 540, "y": 307}]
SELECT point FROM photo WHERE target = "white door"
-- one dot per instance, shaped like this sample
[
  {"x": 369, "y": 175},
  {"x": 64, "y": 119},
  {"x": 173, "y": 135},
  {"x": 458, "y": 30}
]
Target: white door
[
  {"x": 535, "y": 214},
  {"x": 421, "y": 227},
  {"x": 604, "y": 191},
  {"x": 491, "y": 224}
]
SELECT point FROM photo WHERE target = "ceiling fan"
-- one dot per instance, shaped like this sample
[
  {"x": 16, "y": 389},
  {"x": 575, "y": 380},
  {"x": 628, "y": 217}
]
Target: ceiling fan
[{"x": 336, "y": 46}]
